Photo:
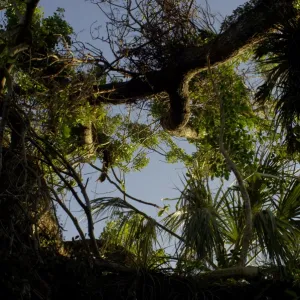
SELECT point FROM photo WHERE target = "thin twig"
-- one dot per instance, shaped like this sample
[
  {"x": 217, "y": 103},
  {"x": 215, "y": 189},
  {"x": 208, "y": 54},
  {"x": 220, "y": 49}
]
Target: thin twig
[
  {"x": 123, "y": 192},
  {"x": 72, "y": 217},
  {"x": 87, "y": 206}
]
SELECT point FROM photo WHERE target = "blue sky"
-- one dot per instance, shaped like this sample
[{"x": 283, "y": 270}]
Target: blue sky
[{"x": 159, "y": 180}]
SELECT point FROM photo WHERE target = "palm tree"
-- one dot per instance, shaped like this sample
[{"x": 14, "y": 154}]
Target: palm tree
[
  {"x": 138, "y": 234},
  {"x": 279, "y": 54},
  {"x": 197, "y": 220},
  {"x": 209, "y": 225},
  {"x": 212, "y": 224}
]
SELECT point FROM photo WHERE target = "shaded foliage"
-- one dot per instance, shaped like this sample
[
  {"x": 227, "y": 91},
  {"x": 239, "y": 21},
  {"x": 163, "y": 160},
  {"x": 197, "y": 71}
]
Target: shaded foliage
[{"x": 279, "y": 52}]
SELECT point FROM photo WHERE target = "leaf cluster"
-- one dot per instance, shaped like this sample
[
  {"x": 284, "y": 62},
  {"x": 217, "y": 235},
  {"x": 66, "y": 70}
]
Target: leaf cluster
[{"x": 241, "y": 126}]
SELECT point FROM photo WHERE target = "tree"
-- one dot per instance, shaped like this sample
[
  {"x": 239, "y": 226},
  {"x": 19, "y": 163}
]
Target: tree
[{"x": 178, "y": 76}]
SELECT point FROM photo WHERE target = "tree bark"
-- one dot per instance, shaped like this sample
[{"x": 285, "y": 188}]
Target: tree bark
[
  {"x": 249, "y": 272},
  {"x": 247, "y": 30}
]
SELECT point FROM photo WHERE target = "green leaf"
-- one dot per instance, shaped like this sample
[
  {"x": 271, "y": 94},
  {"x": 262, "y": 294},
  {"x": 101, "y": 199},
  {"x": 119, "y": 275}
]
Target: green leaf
[{"x": 66, "y": 130}]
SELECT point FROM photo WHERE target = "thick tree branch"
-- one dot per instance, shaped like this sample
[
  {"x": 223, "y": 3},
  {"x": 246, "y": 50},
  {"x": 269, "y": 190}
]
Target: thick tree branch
[
  {"x": 174, "y": 79},
  {"x": 146, "y": 85},
  {"x": 248, "y": 30},
  {"x": 249, "y": 272}
]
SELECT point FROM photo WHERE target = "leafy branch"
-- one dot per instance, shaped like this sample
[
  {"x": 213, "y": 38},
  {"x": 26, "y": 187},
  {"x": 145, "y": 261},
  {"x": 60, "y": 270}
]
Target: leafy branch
[{"x": 246, "y": 240}]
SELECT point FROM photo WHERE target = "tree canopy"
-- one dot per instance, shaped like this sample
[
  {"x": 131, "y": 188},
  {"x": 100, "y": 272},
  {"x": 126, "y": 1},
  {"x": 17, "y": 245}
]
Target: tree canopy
[{"x": 230, "y": 90}]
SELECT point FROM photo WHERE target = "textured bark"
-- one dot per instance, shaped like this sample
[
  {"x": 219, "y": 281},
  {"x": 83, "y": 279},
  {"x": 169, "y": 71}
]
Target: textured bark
[
  {"x": 20, "y": 41},
  {"x": 235, "y": 272},
  {"x": 88, "y": 142},
  {"x": 128, "y": 92},
  {"x": 174, "y": 79},
  {"x": 248, "y": 30},
  {"x": 179, "y": 112},
  {"x": 19, "y": 176}
]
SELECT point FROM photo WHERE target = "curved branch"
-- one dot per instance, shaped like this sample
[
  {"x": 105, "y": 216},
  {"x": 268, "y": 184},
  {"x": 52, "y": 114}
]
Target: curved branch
[
  {"x": 123, "y": 192},
  {"x": 143, "y": 86},
  {"x": 176, "y": 121},
  {"x": 245, "y": 32},
  {"x": 175, "y": 78}
]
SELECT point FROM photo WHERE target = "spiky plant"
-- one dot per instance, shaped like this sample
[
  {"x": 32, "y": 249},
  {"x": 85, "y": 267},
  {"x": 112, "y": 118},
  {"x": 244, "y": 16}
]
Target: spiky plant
[
  {"x": 274, "y": 192},
  {"x": 197, "y": 219},
  {"x": 129, "y": 229},
  {"x": 279, "y": 53}
]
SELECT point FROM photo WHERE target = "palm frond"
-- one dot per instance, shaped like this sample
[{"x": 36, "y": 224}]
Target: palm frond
[
  {"x": 271, "y": 178},
  {"x": 197, "y": 220},
  {"x": 272, "y": 199},
  {"x": 146, "y": 239},
  {"x": 232, "y": 215},
  {"x": 276, "y": 237},
  {"x": 289, "y": 204},
  {"x": 280, "y": 51},
  {"x": 108, "y": 206},
  {"x": 133, "y": 232}
]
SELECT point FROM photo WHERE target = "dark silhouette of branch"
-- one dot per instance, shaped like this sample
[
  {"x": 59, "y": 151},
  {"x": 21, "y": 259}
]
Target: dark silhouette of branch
[
  {"x": 189, "y": 61},
  {"x": 124, "y": 193}
]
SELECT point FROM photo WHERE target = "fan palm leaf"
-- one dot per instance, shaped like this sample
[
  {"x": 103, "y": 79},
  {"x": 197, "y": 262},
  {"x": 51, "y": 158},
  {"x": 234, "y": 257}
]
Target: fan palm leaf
[
  {"x": 275, "y": 209},
  {"x": 231, "y": 212},
  {"x": 108, "y": 206},
  {"x": 198, "y": 221},
  {"x": 289, "y": 204},
  {"x": 280, "y": 51},
  {"x": 274, "y": 194},
  {"x": 133, "y": 231},
  {"x": 274, "y": 236}
]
